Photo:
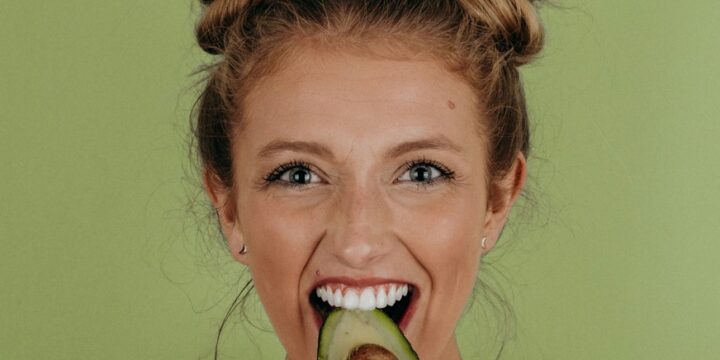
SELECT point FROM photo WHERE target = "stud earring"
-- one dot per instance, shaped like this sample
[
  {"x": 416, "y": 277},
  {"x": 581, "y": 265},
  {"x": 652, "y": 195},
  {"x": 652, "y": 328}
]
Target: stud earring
[
  {"x": 482, "y": 242},
  {"x": 244, "y": 250}
]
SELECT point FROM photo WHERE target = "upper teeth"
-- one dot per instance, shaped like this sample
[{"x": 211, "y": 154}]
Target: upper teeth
[{"x": 366, "y": 298}]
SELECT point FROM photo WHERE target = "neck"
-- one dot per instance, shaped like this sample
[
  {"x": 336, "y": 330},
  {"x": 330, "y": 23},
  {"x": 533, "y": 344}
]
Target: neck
[{"x": 451, "y": 351}]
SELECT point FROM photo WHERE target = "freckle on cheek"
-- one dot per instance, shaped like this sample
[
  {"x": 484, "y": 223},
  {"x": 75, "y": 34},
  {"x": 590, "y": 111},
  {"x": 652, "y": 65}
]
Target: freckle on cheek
[{"x": 451, "y": 104}]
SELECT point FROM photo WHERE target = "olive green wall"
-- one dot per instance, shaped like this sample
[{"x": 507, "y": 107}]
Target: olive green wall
[{"x": 101, "y": 257}]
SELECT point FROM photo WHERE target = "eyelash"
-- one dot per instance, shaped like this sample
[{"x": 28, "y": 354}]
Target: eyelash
[
  {"x": 445, "y": 173},
  {"x": 273, "y": 178}
]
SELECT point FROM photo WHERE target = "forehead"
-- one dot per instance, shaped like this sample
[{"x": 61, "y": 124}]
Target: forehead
[{"x": 336, "y": 98}]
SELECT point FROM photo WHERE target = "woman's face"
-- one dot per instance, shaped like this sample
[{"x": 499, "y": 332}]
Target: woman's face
[{"x": 357, "y": 176}]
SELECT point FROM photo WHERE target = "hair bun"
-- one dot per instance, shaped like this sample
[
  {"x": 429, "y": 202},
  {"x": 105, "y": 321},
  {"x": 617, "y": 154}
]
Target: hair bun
[
  {"x": 217, "y": 17},
  {"x": 514, "y": 25}
]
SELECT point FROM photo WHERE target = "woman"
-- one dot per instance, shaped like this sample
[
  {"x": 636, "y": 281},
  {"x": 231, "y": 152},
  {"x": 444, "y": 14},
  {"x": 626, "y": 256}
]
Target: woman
[{"x": 365, "y": 154}]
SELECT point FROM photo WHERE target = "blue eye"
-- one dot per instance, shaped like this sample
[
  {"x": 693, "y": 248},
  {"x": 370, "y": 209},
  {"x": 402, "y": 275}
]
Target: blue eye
[
  {"x": 420, "y": 172},
  {"x": 293, "y": 174},
  {"x": 297, "y": 176},
  {"x": 425, "y": 172}
]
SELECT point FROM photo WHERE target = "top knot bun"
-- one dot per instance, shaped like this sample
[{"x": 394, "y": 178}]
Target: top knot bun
[
  {"x": 217, "y": 17},
  {"x": 514, "y": 25}
]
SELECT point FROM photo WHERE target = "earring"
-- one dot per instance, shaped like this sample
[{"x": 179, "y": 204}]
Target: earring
[
  {"x": 482, "y": 243},
  {"x": 244, "y": 250}
]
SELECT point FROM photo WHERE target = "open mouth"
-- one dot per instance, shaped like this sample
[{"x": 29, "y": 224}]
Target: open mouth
[{"x": 394, "y": 300}]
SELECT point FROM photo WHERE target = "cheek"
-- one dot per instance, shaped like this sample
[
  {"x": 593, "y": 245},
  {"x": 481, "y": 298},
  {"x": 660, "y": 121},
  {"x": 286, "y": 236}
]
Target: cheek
[
  {"x": 445, "y": 237},
  {"x": 277, "y": 231},
  {"x": 446, "y": 230},
  {"x": 280, "y": 239}
]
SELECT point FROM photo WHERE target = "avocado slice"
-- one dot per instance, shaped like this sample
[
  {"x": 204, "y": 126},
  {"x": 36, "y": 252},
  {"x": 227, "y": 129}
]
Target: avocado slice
[{"x": 367, "y": 335}]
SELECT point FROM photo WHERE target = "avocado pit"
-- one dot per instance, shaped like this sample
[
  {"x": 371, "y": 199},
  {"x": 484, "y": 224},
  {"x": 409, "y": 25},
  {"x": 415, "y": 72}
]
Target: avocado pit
[{"x": 371, "y": 352}]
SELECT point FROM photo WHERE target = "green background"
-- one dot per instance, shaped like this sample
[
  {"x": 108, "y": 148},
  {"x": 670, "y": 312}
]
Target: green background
[{"x": 103, "y": 256}]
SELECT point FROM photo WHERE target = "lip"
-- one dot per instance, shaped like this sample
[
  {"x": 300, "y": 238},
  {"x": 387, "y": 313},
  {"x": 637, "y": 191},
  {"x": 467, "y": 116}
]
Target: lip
[{"x": 363, "y": 282}]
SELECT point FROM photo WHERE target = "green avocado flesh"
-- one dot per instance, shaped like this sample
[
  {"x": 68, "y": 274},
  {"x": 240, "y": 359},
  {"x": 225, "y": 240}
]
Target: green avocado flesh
[{"x": 362, "y": 335}]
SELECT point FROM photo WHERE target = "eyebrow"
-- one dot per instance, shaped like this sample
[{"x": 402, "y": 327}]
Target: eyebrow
[{"x": 438, "y": 142}]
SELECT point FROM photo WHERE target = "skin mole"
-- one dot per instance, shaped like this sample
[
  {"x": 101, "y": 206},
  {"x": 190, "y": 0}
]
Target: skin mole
[{"x": 451, "y": 104}]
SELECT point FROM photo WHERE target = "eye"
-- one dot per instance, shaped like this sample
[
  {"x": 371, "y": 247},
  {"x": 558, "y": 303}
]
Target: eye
[
  {"x": 425, "y": 172},
  {"x": 294, "y": 174},
  {"x": 298, "y": 174}
]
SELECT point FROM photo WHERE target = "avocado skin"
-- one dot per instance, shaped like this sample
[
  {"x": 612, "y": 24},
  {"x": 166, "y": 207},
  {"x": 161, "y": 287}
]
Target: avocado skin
[{"x": 362, "y": 335}]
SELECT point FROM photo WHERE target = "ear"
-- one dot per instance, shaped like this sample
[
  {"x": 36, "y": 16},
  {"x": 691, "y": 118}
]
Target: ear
[
  {"x": 503, "y": 194},
  {"x": 224, "y": 204}
]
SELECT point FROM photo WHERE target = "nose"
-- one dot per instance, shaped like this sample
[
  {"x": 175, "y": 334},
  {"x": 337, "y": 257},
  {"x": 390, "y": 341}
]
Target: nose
[{"x": 360, "y": 232}]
